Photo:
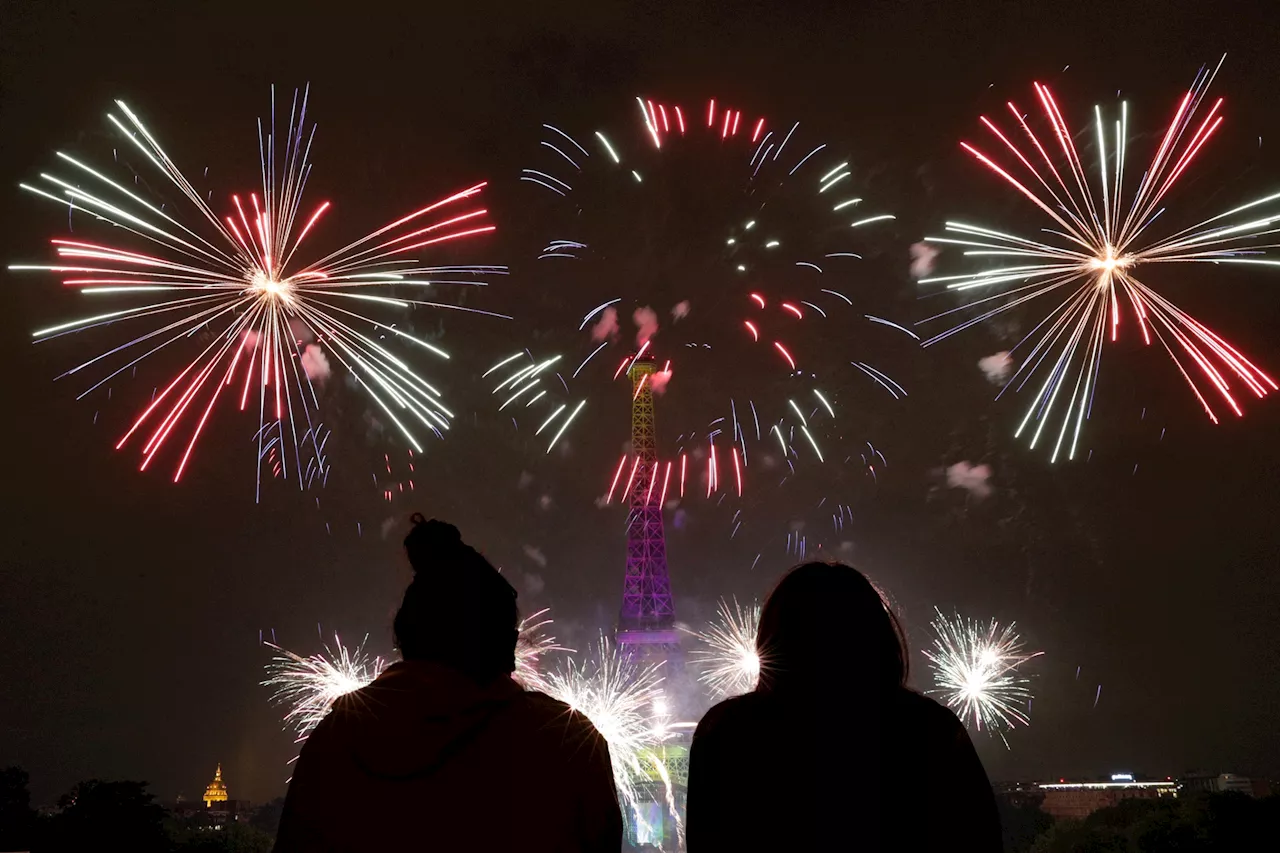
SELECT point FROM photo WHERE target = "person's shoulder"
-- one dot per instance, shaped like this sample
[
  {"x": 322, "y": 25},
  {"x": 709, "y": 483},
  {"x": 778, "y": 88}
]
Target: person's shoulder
[
  {"x": 731, "y": 711},
  {"x": 920, "y": 710},
  {"x": 548, "y": 713},
  {"x": 355, "y": 702},
  {"x": 540, "y": 704}
]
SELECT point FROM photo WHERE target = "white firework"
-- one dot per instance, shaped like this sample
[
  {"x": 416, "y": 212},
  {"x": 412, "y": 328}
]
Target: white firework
[
  {"x": 976, "y": 671},
  {"x": 729, "y": 662},
  {"x": 308, "y": 686},
  {"x": 531, "y": 645},
  {"x": 624, "y": 700}
]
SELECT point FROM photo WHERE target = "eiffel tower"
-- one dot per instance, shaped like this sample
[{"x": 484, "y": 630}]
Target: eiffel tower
[{"x": 646, "y": 624}]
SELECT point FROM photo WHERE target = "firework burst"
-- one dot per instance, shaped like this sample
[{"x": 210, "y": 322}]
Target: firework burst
[
  {"x": 621, "y": 697},
  {"x": 728, "y": 659},
  {"x": 532, "y": 645},
  {"x": 624, "y": 700},
  {"x": 740, "y": 241},
  {"x": 222, "y": 297},
  {"x": 308, "y": 686},
  {"x": 976, "y": 671},
  {"x": 1087, "y": 262}
]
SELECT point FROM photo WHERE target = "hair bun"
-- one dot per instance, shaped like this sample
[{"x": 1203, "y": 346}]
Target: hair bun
[{"x": 431, "y": 543}]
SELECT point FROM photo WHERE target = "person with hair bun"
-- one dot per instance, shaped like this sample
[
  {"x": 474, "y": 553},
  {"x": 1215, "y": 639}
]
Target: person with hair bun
[
  {"x": 832, "y": 751},
  {"x": 444, "y": 751}
]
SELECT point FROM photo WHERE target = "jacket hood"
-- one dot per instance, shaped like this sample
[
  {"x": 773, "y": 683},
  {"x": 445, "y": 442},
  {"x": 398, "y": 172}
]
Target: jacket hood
[{"x": 412, "y": 719}]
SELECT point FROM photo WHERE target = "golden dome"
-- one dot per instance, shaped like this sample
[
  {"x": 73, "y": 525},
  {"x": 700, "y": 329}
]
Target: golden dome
[{"x": 216, "y": 792}]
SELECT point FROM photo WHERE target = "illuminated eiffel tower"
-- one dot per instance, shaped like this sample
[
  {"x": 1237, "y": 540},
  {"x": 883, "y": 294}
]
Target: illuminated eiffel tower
[{"x": 646, "y": 624}]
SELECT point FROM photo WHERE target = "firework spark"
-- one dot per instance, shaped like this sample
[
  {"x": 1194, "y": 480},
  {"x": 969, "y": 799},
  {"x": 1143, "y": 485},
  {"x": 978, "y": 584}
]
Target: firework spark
[
  {"x": 976, "y": 671},
  {"x": 532, "y": 645},
  {"x": 621, "y": 697},
  {"x": 624, "y": 700},
  {"x": 242, "y": 318},
  {"x": 1087, "y": 262},
  {"x": 729, "y": 662},
  {"x": 773, "y": 253},
  {"x": 307, "y": 687}
]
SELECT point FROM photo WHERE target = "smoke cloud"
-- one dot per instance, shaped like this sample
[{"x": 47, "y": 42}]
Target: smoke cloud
[
  {"x": 680, "y": 310},
  {"x": 300, "y": 331},
  {"x": 533, "y": 583},
  {"x": 972, "y": 478},
  {"x": 606, "y": 326},
  {"x": 922, "y": 257},
  {"x": 658, "y": 381},
  {"x": 527, "y": 583},
  {"x": 646, "y": 320},
  {"x": 996, "y": 367},
  {"x": 315, "y": 363}
]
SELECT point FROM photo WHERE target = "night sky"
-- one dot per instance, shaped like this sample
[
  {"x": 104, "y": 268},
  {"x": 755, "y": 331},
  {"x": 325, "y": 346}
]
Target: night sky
[{"x": 131, "y": 608}]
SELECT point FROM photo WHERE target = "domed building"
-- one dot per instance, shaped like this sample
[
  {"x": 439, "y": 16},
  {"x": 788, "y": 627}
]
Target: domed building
[{"x": 216, "y": 791}]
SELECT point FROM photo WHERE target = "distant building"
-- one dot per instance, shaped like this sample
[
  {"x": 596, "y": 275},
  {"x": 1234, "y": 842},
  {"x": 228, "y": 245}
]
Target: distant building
[
  {"x": 228, "y": 811},
  {"x": 1018, "y": 794},
  {"x": 1232, "y": 782},
  {"x": 1197, "y": 782},
  {"x": 650, "y": 820},
  {"x": 214, "y": 810},
  {"x": 216, "y": 791},
  {"x": 1080, "y": 799},
  {"x": 1215, "y": 783}
]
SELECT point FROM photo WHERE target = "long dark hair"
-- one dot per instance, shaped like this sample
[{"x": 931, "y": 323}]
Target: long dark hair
[{"x": 826, "y": 623}]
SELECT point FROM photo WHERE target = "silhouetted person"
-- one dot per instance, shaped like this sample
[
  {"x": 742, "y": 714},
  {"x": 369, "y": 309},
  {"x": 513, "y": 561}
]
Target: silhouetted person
[
  {"x": 444, "y": 751},
  {"x": 831, "y": 751}
]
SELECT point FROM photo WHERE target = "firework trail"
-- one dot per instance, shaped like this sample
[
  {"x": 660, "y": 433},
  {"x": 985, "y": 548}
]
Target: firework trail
[
  {"x": 624, "y": 700},
  {"x": 532, "y": 645},
  {"x": 736, "y": 236},
  {"x": 976, "y": 671},
  {"x": 728, "y": 659},
  {"x": 1103, "y": 229},
  {"x": 219, "y": 297}
]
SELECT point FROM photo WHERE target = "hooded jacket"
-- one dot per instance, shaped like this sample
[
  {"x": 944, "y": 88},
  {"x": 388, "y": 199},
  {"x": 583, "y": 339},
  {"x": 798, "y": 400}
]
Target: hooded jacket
[{"x": 425, "y": 758}]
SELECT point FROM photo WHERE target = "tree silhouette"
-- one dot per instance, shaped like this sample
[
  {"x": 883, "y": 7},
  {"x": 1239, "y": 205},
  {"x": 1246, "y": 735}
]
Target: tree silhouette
[
  {"x": 120, "y": 815},
  {"x": 17, "y": 820},
  {"x": 267, "y": 818},
  {"x": 234, "y": 837},
  {"x": 1021, "y": 823},
  {"x": 1205, "y": 823}
]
